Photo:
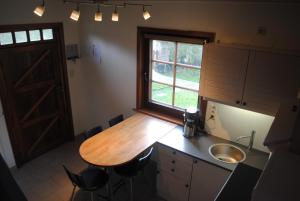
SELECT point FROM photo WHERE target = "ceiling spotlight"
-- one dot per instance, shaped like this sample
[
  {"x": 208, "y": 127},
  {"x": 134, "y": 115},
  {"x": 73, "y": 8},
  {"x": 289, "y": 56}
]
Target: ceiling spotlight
[
  {"x": 75, "y": 14},
  {"x": 115, "y": 15},
  {"x": 40, "y": 9},
  {"x": 146, "y": 14},
  {"x": 98, "y": 15}
]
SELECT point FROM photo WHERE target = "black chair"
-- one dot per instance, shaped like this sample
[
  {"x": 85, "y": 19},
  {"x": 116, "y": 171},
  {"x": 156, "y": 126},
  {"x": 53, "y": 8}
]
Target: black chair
[
  {"x": 132, "y": 168},
  {"x": 90, "y": 179},
  {"x": 116, "y": 120},
  {"x": 92, "y": 132}
]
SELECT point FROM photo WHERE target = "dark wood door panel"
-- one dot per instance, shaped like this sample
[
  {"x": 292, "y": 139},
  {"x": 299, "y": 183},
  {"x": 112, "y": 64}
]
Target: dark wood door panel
[{"x": 36, "y": 97}]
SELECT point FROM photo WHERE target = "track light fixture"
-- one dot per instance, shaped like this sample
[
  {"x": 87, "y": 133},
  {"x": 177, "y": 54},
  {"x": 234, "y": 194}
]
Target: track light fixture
[
  {"x": 98, "y": 14},
  {"x": 40, "y": 9},
  {"x": 75, "y": 14},
  {"x": 115, "y": 15}
]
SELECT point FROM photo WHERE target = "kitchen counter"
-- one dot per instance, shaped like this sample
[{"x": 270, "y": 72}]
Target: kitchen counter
[{"x": 198, "y": 147}]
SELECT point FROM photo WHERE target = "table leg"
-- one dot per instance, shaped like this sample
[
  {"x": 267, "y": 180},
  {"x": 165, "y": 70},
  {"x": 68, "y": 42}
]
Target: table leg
[{"x": 109, "y": 185}]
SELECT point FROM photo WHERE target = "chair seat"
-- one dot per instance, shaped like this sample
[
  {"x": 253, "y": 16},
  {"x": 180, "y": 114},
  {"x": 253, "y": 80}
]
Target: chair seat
[
  {"x": 93, "y": 178},
  {"x": 129, "y": 169}
]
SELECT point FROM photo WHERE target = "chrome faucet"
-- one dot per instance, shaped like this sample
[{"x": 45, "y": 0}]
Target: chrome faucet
[{"x": 250, "y": 146}]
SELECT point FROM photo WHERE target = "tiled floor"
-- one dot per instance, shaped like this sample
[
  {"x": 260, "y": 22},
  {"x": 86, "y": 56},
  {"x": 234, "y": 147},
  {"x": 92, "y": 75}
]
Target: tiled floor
[{"x": 43, "y": 179}]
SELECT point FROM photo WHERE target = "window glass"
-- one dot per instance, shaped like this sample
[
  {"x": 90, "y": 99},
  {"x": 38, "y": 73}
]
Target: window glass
[
  {"x": 34, "y": 35},
  {"x": 189, "y": 54},
  {"x": 185, "y": 60},
  {"x": 47, "y": 34},
  {"x": 162, "y": 93},
  {"x": 187, "y": 77},
  {"x": 185, "y": 98},
  {"x": 162, "y": 72},
  {"x": 163, "y": 50},
  {"x": 21, "y": 36},
  {"x": 6, "y": 38}
]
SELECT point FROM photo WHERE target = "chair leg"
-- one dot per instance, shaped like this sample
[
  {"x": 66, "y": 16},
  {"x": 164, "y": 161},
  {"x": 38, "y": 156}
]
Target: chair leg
[
  {"x": 131, "y": 189},
  {"x": 92, "y": 196},
  {"x": 108, "y": 192},
  {"x": 72, "y": 196}
]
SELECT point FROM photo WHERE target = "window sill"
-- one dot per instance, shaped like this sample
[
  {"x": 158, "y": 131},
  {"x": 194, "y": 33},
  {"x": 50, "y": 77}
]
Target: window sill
[{"x": 160, "y": 116}]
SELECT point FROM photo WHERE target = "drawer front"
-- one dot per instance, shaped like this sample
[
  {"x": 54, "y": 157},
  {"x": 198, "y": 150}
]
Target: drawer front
[
  {"x": 165, "y": 152},
  {"x": 170, "y": 188},
  {"x": 175, "y": 163}
]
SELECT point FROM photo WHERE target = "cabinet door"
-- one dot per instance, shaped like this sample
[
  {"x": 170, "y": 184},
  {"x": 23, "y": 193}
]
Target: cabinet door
[
  {"x": 272, "y": 78},
  {"x": 223, "y": 73},
  {"x": 207, "y": 181},
  {"x": 170, "y": 188},
  {"x": 283, "y": 126}
]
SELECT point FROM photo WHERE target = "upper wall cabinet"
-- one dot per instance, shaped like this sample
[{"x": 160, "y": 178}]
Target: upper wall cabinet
[
  {"x": 256, "y": 80},
  {"x": 223, "y": 73}
]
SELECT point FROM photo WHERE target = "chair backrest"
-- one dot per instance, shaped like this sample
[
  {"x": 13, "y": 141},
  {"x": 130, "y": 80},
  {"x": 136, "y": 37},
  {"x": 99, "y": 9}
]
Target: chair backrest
[
  {"x": 143, "y": 160},
  {"x": 92, "y": 132},
  {"x": 75, "y": 179},
  {"x": 116, "y": 120}
]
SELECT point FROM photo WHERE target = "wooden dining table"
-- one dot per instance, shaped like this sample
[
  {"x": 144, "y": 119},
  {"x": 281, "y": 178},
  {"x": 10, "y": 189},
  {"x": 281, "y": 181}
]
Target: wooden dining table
[{"x": 121, "y": 143}]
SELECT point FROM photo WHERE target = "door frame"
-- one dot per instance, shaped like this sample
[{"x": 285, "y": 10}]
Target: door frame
[{"x": 5, "y": 99}]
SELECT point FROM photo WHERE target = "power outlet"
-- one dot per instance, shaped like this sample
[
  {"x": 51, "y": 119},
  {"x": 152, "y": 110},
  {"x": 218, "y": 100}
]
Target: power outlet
[{"x": 212, "y": 112}]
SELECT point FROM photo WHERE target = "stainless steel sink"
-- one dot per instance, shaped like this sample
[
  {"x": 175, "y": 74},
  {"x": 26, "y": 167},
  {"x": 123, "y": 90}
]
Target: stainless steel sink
[{"x": 227, "y": 153}]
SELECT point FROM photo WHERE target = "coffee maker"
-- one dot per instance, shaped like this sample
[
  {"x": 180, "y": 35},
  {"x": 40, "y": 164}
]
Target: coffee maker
[{"x": 190, "y": 117}]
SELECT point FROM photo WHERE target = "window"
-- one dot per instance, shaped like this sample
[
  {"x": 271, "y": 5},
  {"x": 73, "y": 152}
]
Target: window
[
  {"x": 168, "y": 70},
  {"x": 10, "y": 37},
  {"x": 6, "y": 38},
  {"x": 175, "y": 73},
  {"x": 34, "y": 35},
  {"x": 47, "y": 34},
  {"x": 21, "y": 36}
]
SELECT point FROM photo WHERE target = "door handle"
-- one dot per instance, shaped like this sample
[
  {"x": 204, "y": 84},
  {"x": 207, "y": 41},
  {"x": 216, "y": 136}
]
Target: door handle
[{"x": 146, "y": 76}]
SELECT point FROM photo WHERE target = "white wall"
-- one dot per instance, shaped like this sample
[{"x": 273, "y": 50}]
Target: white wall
[
  {"x": 231, "y": 122},
  {"x": 5, "y": 147},
  {"x": 112, "y": 82},
  {"x": 20, "y": 12}
]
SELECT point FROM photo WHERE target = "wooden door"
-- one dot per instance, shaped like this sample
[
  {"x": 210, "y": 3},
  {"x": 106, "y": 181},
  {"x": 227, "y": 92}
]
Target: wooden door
[
  {"x": 223, "y": 73},
  {"x": 207, "y": 181},
  {"x": 272, "y": 78},
  {"x": 34, "y": 91}
]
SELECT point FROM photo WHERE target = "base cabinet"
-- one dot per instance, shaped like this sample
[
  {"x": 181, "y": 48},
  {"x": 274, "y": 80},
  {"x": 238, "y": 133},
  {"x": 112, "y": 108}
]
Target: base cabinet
[
  {"x": 171, "y": 188},
  {"x": 207, "y": 181},
  {"x": 182, "y": 178}
]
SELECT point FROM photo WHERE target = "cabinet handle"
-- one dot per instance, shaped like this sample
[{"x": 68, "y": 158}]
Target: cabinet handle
[
  {"x": 186, "y": 185},
  {"x": 237, "y": 102},
  {"x": 173, "y": 161},
  {"x": 244, "y": 103},
  {"x": 173, "y": 170}
]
